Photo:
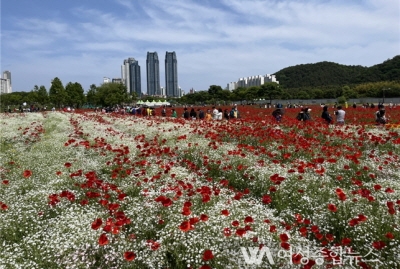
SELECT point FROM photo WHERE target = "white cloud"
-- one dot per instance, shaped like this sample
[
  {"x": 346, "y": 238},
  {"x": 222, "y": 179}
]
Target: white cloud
[{"x": 216, "y": 41}]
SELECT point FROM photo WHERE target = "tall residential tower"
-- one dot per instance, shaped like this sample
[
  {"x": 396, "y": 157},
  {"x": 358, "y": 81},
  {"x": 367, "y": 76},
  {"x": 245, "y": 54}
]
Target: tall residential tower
[
  {"x": 153, "y": 74},
  {"x": 5, "y": 82},
  {"x": 130, "y": 72},
  {"x": 171, "y": 75}
]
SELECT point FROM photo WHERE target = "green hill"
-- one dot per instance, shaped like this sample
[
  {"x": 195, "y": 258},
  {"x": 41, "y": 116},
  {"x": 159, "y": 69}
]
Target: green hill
[{"x": 324, "y": 74}]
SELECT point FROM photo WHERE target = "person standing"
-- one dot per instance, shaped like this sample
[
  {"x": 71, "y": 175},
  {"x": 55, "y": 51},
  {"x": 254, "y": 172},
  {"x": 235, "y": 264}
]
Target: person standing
[
  {"x": 277, "y": 114},
  {"x": 380, "y": 117},
  {"x": 219, "y": 114},
  {"x": 325, "y": 115},
  {"x": 201, "y": 114},
  {"x": 304, "y": 114},
  {"x": 215, "y": 113},
  {"x": 186, "y": 114},
  {"x": 193, "y": 114},
  {"x": 340, "y": 115},
  {"x": 163, "y": 112},
  {"x": 174, "y": 114},
  {"x": 208, "y": 115},
  {"x": 226, "y": 114}
]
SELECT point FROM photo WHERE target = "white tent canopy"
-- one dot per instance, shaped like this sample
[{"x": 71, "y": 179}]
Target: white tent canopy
[{"x": 157, "y": 103}]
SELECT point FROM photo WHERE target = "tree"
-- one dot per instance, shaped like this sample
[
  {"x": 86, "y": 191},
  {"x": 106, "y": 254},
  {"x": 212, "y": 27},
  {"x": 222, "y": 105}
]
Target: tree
[
  {"x": 303, "y": 95},
  {"x": 92, "y": 97},
  {"x": 239, "y": 94},
  {"x": 349, "y": 93},
  {"x": 57, "y": 92},
  {"x": 111, "y": 94},
  {"x": 33, "y": 96},
  {"x": 75, "y": 96},
  {"x": 318, "y": 94},
  {"x": 214, "y": 90},
  {"x": 43, "y": 96},
  {"x": 271, "y": 90},
  {"x": 252, "y": 93}
]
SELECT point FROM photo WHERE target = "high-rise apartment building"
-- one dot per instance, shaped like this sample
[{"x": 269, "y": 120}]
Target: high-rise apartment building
[
  {"x": 130, "y": 73},
  {"x": 251, "y": 81},
  {"x": 135, "y": 80},
  {"x": 5, "y": 82},
  {"x": 171, "y": 75},
  {"x": 153, "y": 74}
]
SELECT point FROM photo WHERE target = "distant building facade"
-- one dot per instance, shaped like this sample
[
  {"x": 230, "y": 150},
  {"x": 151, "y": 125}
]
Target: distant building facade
[
  {"x": 153, "y": 74},
  {"x": 117, "y": 80},
  {"x": 5, "y": 82},
  {"x": 251, "y": 81},
  {"x": 130, "y": 76},
  {"x": 171, "y": 75}
]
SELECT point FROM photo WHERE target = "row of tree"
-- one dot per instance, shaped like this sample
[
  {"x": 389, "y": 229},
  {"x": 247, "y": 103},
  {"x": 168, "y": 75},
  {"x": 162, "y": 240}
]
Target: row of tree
[
  {"x": 111, "y": 94},
  {"x": 71, "y": 95},
  {"x": 270, "y": 91}
]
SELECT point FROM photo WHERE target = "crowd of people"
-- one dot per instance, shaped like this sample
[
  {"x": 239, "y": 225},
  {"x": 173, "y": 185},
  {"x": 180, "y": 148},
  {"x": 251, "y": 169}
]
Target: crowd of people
[
  {"x": 211, "y": 114},
  {"x": 304, "y": 114},
  {"x": 190, "y": 113}
]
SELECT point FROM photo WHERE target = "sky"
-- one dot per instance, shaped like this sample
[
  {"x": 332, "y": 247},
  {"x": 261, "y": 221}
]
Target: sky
[{"x": 215, "y": 41}]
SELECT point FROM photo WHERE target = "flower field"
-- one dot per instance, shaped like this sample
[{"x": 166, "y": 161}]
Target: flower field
[{"x": 96, "y": 190}]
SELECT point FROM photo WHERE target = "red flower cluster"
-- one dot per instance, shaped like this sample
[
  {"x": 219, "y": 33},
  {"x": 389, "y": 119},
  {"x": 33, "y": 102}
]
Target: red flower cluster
[{"x": 3, "y": 206}]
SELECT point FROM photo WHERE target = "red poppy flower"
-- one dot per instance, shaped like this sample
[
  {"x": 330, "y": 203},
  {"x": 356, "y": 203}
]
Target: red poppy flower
[
  {"x": 377, "y": 187},
  {"x": 203, "y": 217},
  {"x": 362, "y": 217},
  {"x": 121, "y": 196},
  {"x": 186, "y": 211},
  {"x": 272, "y": 228},
  {"x": 129, "y": 256},
  {"x": 3, "y": 206},
  {"x": 353, "y": 222},
  {"x": 272, "y": 189},
  {"x": 378, "y": 245},
  {"x": 332, "y": 207},
  {"x": 283, "y": 237},
  {"x": 330, "y": 237},
  {"x": 303, "y": 231},
  {"x": 227, "y": 232},
  {"x": 185, "y": 226},
  {"x": 389, "y": 235},
  {"x": 296, "y": 258},
  {"x": 205, "y": 198},
  {"x": 235, "y": 223},
  {"x": 248, "y": 219},
  {"x": 319, "y": 236},
  {"x": 96, "y": 224},
  {"x": 194, "y": 220},
  {"x": 266, "y": 199},
  {"x": 389, "y": 190},
  {"x": 103, "y": 240},
  {"x": 315, "y": 229},
  {"x": 208, "y": 255},
  {"x": 154, "y": 245},
  {"x": 225, "y": 212},
  {"x": 240, "y": 232},
  {"x": 5, "y": 182},
  {"x": 285, "y": 245},
  {"x": 346, "y": 241},
  {"x": 27, "y": 173},
  {"x": 68, "y": 165}
]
